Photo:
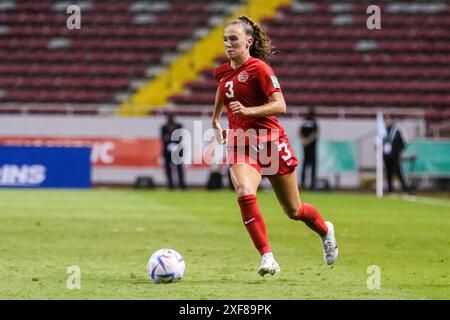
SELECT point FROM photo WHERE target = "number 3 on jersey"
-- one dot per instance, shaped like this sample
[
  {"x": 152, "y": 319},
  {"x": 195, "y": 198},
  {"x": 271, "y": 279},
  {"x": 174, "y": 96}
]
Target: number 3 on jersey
[
  {"x": 230, "y": 93},
  {"x": 285, "y": 149}
]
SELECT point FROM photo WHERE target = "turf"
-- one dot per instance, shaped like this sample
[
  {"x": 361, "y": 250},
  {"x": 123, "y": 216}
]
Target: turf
[{"x": 110, "y": 235}]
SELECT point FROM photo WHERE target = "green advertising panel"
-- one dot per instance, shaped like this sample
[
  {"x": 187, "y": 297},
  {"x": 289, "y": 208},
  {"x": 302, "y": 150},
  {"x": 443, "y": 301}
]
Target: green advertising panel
[
  {"x": 431, "y": 157},
  {"x": 334, "y": 156},
  {"x": 337, "y": 156}
]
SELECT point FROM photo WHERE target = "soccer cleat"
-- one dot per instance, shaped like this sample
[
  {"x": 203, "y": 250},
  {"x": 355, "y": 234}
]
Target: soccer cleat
[
  {"x": 268, "y": 265},
  {"x": 330, "y": 248}
]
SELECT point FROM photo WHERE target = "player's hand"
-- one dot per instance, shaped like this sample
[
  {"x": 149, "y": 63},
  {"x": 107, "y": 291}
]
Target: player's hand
[
  {"x": 237, "y": 108},
  {"x": 220, "y": 134}
]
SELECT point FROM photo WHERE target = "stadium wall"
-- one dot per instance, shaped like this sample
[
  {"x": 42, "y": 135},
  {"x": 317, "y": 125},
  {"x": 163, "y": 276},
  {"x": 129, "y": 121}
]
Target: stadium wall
[{"x": 126, "y": 148}]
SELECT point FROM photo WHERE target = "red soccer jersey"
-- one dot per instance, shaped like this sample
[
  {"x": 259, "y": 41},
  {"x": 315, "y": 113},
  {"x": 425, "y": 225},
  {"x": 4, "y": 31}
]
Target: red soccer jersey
[{"x": 251, "y": 84}]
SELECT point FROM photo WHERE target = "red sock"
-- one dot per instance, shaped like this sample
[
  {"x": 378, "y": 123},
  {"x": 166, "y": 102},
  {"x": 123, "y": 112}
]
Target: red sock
[
  {"x": 312, "y": 218},
  {"x": 254, "y": 222}
]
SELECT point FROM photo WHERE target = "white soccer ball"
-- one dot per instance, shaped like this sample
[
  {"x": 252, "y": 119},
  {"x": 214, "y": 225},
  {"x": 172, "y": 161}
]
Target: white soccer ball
[{"x": 165, "y": 265}]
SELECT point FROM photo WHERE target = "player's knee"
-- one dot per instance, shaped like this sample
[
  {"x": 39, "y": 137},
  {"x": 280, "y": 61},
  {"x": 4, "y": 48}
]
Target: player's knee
[
  {"x": 292, "y": 215},
  {"x": 291, "y": 211},
  {"x": 243, "y": 190}
]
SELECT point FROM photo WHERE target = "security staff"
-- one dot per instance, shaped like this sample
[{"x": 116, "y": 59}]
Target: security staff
[{"x": 393, "y": 145}]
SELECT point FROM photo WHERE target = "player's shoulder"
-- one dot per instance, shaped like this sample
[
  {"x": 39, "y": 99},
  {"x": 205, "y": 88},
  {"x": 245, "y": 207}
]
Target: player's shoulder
[
  {"x": 261, "y": 65},
  {"x": 219, "y": 71}
]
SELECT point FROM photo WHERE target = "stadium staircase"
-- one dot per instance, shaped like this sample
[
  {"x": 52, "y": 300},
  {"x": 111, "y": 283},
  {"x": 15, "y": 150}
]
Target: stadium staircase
[{"x": 188, "y": 65}]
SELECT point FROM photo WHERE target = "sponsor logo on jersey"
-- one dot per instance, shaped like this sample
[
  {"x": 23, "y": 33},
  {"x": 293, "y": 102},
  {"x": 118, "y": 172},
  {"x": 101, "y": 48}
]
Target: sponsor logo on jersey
[
  {"x": 275, "y": 82},
  {"x": 243, "y": 76},
  {"x": 22, "y": 175}
]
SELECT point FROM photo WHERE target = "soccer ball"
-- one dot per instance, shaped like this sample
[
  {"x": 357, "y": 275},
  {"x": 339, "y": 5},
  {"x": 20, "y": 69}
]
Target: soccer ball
[{"x": 165, "y": 265}]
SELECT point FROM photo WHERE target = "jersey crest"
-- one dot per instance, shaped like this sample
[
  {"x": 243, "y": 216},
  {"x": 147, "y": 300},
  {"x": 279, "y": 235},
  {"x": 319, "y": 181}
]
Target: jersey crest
[{"x": 243, "y": 76}]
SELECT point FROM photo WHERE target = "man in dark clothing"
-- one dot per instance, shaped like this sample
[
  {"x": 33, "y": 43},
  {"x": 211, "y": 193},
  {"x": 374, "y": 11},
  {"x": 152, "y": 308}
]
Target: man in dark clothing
[
  {"x": 309, "y": 132},
  {"x": 393, "y": 145},
  {"x": 168, "y": 146}
]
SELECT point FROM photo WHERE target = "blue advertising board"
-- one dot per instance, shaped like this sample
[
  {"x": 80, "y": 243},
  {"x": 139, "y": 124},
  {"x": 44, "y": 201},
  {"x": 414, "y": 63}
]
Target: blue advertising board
[{"x": 45, "y": 167}]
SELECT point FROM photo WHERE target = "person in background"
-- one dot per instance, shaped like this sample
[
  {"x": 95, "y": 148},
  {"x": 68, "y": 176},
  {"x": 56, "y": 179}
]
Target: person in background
[
  {"x": 309, "y": 133},
  {"x": 393, "y": 145},
  {"x": 168, "y": 147}
]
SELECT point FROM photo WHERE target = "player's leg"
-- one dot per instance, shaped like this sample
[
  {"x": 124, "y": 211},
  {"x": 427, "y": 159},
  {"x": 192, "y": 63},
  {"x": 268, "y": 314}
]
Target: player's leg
[
  {"x": 246, "y": 180},
  {"x": 286, "y": 190},
  {"x": 287, "y": 193}
]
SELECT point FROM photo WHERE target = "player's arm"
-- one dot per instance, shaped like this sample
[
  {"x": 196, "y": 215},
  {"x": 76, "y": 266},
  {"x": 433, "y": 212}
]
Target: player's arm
[
  {"x": 218, "y": 110},
  {"x": 275, "y": 106}
]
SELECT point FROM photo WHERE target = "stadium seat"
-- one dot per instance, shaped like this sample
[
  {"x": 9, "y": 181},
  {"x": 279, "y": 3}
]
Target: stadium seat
[
  {"x": 119, "y": 42},
  {"x": 329, "y": 58}
]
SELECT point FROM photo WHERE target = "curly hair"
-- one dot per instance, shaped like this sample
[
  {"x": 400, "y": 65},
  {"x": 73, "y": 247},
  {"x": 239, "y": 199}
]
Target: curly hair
[{"x": 262, "y": 45}]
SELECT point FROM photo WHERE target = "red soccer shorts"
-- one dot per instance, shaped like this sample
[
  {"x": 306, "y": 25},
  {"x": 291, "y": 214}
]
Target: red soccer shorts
[{"x": 270, "y": 158}]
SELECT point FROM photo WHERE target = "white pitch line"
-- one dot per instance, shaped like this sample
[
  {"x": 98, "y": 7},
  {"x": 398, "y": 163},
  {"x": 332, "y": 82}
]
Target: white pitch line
[{"x": 425, "y": 200}]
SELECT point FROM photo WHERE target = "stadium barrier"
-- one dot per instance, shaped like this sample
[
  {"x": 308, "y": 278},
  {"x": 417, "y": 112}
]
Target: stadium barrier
[
  {"x": 429, "y": 157},
  {"x": 123, "y": 149},
  {"x": 45, "y": 167}
]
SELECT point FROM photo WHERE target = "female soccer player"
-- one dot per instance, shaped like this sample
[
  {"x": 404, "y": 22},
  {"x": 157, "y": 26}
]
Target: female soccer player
[{"x": 250, "y": 91}]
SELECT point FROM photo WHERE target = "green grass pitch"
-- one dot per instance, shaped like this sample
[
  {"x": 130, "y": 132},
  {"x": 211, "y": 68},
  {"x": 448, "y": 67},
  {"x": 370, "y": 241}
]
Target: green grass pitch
[{"x": 110, "y": 235}]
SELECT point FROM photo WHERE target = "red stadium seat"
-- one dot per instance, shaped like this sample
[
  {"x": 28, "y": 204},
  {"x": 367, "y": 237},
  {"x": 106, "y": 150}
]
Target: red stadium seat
[
  {"x": 329, "y": 58},
  {"x": 119, "y": 41},
  {"x": 327, "y": 55}
]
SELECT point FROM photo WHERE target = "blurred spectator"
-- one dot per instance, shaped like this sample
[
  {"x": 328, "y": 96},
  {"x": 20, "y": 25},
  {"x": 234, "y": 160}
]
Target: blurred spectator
[
  {"x": 309, "y": 133},
  {"x": 393, "y": 145},
  {"x": 169, "y": 146}
]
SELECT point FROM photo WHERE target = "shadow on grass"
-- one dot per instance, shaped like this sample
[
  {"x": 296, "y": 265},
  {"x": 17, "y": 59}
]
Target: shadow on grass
[{"x": 207, "y": 282}]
